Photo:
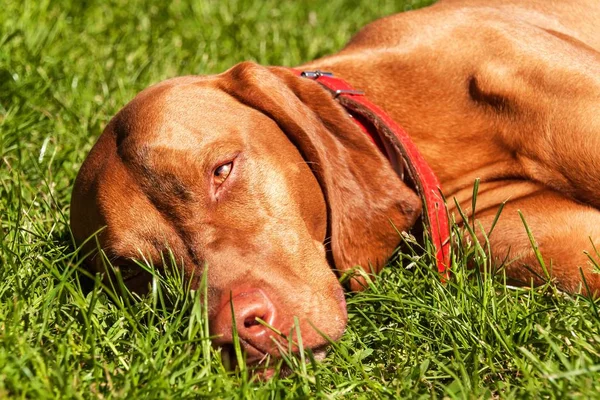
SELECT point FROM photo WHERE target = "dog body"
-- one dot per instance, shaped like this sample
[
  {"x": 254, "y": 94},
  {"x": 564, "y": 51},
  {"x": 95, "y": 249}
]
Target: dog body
[
  {"x": 485, "y": 91},
  {"x": 261, "y": 175}
]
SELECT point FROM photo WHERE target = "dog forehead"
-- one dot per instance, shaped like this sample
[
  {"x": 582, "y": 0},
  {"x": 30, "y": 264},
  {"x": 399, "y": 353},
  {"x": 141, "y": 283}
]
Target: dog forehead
[{"x": 183, "y": 115}]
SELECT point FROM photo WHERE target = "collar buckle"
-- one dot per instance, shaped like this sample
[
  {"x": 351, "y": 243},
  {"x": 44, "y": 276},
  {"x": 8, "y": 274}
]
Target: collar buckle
[{"x": 316, "y": 74}]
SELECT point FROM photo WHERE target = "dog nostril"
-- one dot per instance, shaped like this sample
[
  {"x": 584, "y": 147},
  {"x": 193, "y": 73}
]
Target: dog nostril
[{"x": 251, "y": 321}]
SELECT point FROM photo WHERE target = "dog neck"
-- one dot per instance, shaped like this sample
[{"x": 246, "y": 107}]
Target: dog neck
[{"x": 402, "y": 153}]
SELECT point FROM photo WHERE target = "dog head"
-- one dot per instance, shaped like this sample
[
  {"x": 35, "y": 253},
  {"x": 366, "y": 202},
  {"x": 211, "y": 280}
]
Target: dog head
[{"x": 257, "y": 175}]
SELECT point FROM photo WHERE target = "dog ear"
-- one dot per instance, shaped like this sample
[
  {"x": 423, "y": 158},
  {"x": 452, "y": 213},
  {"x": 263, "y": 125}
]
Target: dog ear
[{"x": 368, "y": 204}]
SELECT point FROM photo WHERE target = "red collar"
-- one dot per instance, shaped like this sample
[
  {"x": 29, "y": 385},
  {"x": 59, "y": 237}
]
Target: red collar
[{"x": 402, "y": 153}]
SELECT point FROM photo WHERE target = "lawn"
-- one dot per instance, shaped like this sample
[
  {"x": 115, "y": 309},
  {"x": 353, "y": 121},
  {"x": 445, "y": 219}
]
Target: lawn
[{"x": 65, "y": 68}]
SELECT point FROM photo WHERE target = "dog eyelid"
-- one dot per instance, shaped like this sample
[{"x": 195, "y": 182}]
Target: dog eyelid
[
  {"x": 127, "y": 267},
  {"x": 222, "y": 172}
]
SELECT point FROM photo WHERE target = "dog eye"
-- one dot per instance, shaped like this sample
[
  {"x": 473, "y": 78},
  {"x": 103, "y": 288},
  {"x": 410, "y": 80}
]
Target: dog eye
[{"x": 221, "y": 173}]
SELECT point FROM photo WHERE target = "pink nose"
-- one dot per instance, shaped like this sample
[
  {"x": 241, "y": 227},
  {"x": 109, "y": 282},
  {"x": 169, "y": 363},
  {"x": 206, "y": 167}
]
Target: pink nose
[{"x": 248, "y": 306}]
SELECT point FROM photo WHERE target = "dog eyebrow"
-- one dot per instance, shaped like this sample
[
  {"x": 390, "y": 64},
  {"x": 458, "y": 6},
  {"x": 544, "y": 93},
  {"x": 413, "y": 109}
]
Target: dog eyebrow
[
  {"x": 164, "y": 182},
  {"x": 172, "y": 219},
  {"x": 170, "y": 183}
]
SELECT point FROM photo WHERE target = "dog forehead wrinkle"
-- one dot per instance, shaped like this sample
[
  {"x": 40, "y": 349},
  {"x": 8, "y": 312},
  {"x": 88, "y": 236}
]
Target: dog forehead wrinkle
[
  {"x": 149, "y": 211},
  {"x": 204, "y": 132},
  {"x": 148, "y": 236},
  {"x": 203, "y": 105}
]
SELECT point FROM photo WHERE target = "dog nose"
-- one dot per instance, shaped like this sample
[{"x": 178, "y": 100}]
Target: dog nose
[{"x": 248, "y": 307}]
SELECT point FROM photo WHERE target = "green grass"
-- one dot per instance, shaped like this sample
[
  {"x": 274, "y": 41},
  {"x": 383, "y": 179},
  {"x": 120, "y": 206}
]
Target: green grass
[{"x": 65, "y": 68}]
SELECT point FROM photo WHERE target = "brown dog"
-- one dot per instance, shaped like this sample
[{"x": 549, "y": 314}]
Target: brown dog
[{"x": 260, "y": 174}]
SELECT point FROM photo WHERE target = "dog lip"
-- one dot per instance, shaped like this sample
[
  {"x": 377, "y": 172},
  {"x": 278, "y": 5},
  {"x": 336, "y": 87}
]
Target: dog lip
[
  {"x": 254, "y": 363},
  {"x": 228, "y": 353},
  {"x": 319, "y": 353},
  {"x": 340, "y": 297},
  {"x": 258, "y": 358}
]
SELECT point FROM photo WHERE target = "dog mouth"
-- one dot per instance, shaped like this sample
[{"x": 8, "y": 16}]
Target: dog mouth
[{"x": 268, "y": 365}]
